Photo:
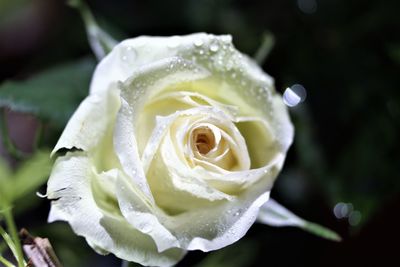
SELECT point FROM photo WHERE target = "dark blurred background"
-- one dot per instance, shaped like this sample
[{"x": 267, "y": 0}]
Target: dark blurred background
[{"x": 343, "y": 169}]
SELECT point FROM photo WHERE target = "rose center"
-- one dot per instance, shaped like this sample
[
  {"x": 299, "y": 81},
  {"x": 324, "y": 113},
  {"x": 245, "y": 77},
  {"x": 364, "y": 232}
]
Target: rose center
[{"x": 204, "y": 139}]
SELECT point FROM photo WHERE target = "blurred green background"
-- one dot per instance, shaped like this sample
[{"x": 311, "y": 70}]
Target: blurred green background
[{"x": 343, "y": 169}]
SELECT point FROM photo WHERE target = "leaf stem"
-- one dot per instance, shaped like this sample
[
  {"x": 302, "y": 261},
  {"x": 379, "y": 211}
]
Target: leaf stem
[
  {"x": 12, "y": 229},
  {"x": 265, "y": 48},
  {"x": 100, "y": 41},
  {"x": 6, "y": 262}
]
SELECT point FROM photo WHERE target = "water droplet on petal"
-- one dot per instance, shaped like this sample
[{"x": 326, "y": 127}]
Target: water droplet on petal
[
  {"x": 128, "y": 55},
  {"x": 214, "y": 47},
  {"x": 198, "y": 42},
  {"x": 294, "y": 95}
]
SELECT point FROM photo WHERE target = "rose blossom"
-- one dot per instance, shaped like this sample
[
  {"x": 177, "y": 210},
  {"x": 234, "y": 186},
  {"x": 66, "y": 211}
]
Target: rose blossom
[{"x": 176, "y": 148}]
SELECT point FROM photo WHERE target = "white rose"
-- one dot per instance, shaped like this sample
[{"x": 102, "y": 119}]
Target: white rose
[{"x": 177, "y": 147}]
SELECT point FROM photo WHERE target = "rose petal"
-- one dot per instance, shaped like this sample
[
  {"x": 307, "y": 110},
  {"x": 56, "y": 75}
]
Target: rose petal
[
  {"x": 221, "y": 224},
  {"x": 74, "y": 201},
  {"x": 90, "y": 122},
  {"x": 139, "y": 212}
]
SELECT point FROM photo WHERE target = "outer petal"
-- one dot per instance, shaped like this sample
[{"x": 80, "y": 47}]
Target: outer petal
[
  {"x": 71, "y": 189},
  {"x": 220, "y": 225},
  {"x": 90, "y": 122},
  {"x": 139, "y": 211}
]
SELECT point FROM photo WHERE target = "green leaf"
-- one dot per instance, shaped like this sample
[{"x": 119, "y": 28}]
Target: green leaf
[
  {"x": 32, "y": 174},
  {"x": 28, "y": 177},
  {"x": 52, "y": 95},
  {"x": 274, "y": 214}
]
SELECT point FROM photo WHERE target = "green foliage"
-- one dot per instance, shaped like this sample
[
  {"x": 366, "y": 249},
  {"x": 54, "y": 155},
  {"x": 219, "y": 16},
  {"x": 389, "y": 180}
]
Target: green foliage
[
  {"x": 10, "y": 244},
  {"x": 14, "y": 186},
  {"x": 27, "y": 178},
  {"x": 52, "y": 95}
]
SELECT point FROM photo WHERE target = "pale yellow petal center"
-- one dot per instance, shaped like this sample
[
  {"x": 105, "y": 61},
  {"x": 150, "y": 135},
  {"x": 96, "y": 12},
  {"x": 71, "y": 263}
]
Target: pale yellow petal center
[{"x": 204, "y": 139}]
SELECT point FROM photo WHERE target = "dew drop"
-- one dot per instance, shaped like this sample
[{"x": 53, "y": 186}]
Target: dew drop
[
  {"x": 146, "y": 228},
  {"x": 294, "y": 95},
  {"x": 201, "y": 52},
  {"x": 128, "y": 55},
  {"x": 214, "y": 47},
  {"x": 198, "y": 42}
]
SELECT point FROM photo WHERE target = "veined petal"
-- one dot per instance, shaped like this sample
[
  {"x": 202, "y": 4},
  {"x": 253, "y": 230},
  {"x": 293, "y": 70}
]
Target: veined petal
[{"x": 70, "y": 189}]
